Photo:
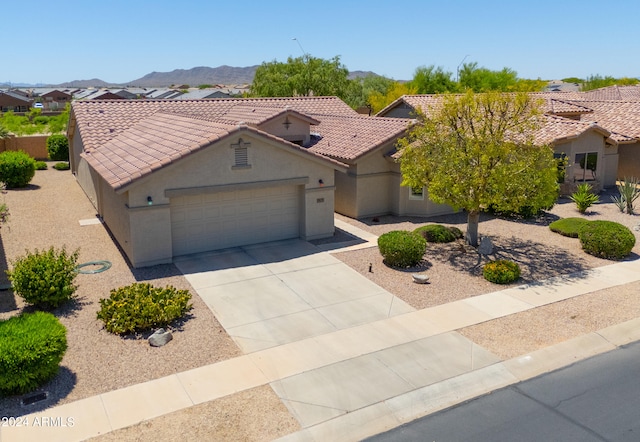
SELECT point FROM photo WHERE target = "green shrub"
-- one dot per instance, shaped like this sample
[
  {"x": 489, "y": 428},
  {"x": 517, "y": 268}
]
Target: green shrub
[
  {"x": 568, "y": 226},
  {"x": 16, "y": 168},
  {"x": 501, "y": 271},
  {"x": 456, "y": 232},
  {"x": 607, "y": 239},
  {"x": 401, "y": 248},
  {"x": 436, "y": 233},
  {"x": 45, "y": 279},
  {"x": 141, "y": 306},
  {"x": 41, "y": 120},
  {"x": 41, "y": 165},
  {"x": 61, "y": 166},
  {"x": 58, "y": 147},
  {"x": 583, "y": 197},
  {"x": 31, "y": 348}
]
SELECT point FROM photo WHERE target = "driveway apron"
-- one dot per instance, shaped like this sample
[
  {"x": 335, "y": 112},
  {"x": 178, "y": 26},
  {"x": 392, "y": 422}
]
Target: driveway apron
[{"x": 275, "y": 293}]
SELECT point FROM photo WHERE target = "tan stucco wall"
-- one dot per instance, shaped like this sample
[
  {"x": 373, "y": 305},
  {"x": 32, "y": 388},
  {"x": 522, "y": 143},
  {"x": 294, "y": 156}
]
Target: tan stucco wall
[
  {"x": 114, "y": 212},
  {"x": 151, "y": 241},
  {"x": 34, "y": 145},
  {"x": 88, "y": 180},
  {"x": 591, "y": 141},
  {"x": 629, "y": 160},
  {"x": 346, "y": 193}
]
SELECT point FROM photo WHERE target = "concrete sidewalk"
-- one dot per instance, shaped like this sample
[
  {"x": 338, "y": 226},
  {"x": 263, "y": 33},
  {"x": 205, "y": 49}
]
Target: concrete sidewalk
[{"x": 354, "y": 382}]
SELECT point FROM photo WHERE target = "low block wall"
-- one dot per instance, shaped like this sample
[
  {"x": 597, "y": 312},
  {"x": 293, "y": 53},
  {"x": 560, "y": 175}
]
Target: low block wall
[{"x": 34, "y": 145}]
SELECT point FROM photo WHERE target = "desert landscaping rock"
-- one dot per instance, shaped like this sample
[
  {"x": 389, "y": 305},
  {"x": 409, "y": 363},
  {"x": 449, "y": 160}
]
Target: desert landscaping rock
[
  {"x": 160, "y": 337},
  {"x": 486, "y": 246}
]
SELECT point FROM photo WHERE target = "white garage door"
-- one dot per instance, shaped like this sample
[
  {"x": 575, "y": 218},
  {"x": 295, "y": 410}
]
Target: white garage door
[{"x": 228, "y": 219}]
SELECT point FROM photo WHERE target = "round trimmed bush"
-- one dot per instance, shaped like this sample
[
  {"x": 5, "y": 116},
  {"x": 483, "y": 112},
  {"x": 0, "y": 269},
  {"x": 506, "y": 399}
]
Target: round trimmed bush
[
  {"x": 607, "y": 239},
  {"x": 16, "y": 168},
  {"x": 568, "y": 226},
  {"x": 31, "y": 348},
  {"x": 141, "y": 306},
  {"x": 41, "y": 165},
  {"x": 437, "y": 233},
  {"x": 401, "y": 248},
  {"x": 58, "y": 148},
  {"x": 61, "y": 166},
  {"x": 501, "y": 271},
  {"x": 45, "y": 278}
]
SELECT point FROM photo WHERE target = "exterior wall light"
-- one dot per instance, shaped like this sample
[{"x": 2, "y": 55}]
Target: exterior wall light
[
  {"x": 320, "y": 182},
  {"x": 149, "y": 201}
]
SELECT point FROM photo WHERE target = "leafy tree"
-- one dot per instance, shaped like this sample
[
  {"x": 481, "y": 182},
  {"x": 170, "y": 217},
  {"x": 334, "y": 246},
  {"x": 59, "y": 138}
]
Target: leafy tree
[
  {"x": 379, "y": 101},
  {"x": 4, "y": 132},
  {"x": 483, "y": 80},
  {"x": 301, "y": 76},
  {"x": 432, "y": 80},
  {"x": 476, "y": 151},
  {"x": 525, "y": 85},
  {"x": 598, "y": 81},
  {"x": 573, "y": 80},
  {"x": 360, "y": 89}
]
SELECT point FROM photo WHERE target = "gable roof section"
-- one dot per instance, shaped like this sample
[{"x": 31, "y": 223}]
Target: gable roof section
[
  {"x": 101, "y": 121},
  {"x": 557, "y": 130},
  {"x": 252, "y": 114},
  {"x": 615, "y": 93},
  {"x": 553, "y": 102},
  {"x": 163, "y": 139},
  {"x": 350, "y": 137},
  {"x": 620, "y": 117}
]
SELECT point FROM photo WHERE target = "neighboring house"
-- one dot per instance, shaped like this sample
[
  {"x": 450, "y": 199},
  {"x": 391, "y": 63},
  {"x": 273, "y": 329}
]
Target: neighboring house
[
  {"x": 173, "y": 177},
  {"x": 55, "y": 99},
  {"x": 592, "y": 148},
  {"x": 199, "y": 94},
  {"x": 11, "y": 101},
  {"x": 622, "y": 118}
]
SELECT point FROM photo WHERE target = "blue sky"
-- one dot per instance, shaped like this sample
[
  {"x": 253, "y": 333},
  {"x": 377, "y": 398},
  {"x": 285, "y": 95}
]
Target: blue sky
[{"x": 120, "y": 41}]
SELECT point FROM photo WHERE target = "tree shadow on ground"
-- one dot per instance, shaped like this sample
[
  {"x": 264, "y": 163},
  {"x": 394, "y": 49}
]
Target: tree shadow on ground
[
  {"x": 537, "y": 261},
  {"x": 56, "y": 389}
]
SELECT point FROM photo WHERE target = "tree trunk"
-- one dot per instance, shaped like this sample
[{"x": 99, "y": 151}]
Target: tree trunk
[{"x": 473, "y": 218}]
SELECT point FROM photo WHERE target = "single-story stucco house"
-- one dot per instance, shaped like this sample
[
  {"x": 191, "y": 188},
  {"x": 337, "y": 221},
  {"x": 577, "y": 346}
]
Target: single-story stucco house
[
  {"x": 171, "y": 178},
  {"x": 175, "y": 177},
  {"x": 591, "y": 149}
]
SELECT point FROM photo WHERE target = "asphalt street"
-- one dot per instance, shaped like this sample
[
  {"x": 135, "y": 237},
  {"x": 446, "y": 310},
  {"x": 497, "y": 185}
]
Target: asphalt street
[{"x": 597, "y": 399}]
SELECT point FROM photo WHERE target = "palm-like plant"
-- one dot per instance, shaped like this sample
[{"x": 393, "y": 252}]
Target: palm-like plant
[{"x": 584, "y": 198}]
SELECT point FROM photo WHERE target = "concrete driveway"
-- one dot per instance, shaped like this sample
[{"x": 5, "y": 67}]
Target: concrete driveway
[{"x": 275, "y": 293}]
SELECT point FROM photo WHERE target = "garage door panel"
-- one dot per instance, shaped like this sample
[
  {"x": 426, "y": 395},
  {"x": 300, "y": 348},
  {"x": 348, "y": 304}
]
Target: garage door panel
[{"x": 228, "y": 219}]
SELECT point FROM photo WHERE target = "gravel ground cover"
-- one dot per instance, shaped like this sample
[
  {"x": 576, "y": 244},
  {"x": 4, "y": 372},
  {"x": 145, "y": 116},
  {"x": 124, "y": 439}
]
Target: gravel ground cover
[{"x": 47, "y": 213}]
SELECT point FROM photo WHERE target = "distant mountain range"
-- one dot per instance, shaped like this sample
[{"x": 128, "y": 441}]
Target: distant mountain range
[{"x": 223, "y": 75}]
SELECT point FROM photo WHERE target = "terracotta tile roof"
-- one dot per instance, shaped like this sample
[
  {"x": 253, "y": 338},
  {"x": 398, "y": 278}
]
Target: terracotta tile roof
[
  {"x": 625, "y": 93},
  {"x": 620, "y": 117},
  {"x": 101, "y": 121},
  {"x": 160, "y": 140},
  {"x": 558, "y": 129},
  {"x": 249, "y": 113},
  {"x": 552, "y": 102},
  {"x": 349, "y": 137}
]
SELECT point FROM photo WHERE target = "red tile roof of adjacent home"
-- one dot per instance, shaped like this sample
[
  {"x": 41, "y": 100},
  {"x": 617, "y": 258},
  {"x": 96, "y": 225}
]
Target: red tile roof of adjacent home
[
  {"x": 350, "y": 137},
  {"x": 626, "y": 93},
  {"x": 552, "y": 102},
  {"x": 100, "y": 121},
  {"x": 556, "y": 130},
  {"x": 620, "y": 117},
  {"x": 162, "y": 139}
]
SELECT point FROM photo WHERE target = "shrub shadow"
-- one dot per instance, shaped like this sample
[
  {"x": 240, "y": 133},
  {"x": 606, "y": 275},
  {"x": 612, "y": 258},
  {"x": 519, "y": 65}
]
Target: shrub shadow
[
  {"x": 56, "y": 389},
  {"x": 537, "y": 261}
]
